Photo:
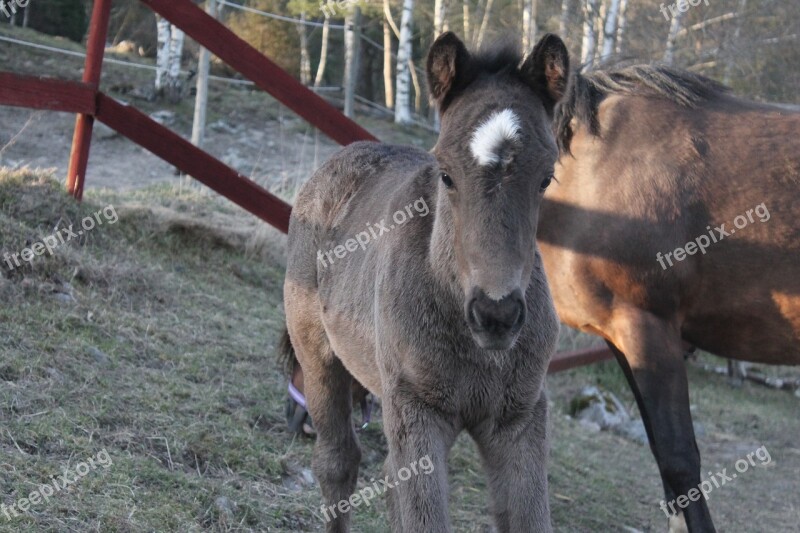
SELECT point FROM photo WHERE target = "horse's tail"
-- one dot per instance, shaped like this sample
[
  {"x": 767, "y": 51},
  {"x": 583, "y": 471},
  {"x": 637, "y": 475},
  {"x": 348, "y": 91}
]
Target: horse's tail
[{"x": 287, "y": 359}]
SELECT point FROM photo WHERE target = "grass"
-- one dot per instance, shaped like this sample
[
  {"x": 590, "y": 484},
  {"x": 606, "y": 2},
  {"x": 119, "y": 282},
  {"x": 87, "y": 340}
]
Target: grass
[{"x": 164, "y": 357}]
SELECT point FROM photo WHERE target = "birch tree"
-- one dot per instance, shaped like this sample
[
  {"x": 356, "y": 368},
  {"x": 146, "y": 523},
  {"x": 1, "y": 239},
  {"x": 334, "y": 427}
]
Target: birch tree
[
  {"x": 610, "y": 30},
  {"x": 563, "y": 23},
  {"x": 622, "y": 22},
  {"x": 439, "y": 17},
  {"x": 323, "y": 50},
  {"x": 162, "y": 53},
  {"x": 529, "y": 9},
  {"x": 402, "y": 109},
  {"x": 590, "y": 10},
  {"x": 466, "y": 16},
  {"x": 484, "y": 23},
  {"x": 168, "y": 59},
  {"x": 305, "y": 60},
  {"x": 352, "y": 41},
  {"x": 174, "y": 86},
  {"x": 672, "y": 37},
  {"x": 730, "y": 59},
  {"x": 388, "y": 80}
]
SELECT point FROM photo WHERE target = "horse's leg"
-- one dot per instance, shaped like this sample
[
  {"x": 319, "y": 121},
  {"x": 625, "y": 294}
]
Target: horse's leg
[
  {"x": 419, "y": 439},
  {"x": 516, "y": 464},
  {"x": 392, "y": 501},
  {"x": 650, "y": 353},
  {"x": 329, "y": 398}
]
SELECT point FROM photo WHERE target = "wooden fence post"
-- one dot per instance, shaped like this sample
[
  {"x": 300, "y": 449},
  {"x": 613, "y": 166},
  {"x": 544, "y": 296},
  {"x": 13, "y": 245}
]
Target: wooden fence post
[{"x": 82, "y": 138}]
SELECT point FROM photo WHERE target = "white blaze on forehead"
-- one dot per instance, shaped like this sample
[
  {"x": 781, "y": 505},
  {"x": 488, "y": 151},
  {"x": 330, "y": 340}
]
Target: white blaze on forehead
[{"x": 500, "y": 127}]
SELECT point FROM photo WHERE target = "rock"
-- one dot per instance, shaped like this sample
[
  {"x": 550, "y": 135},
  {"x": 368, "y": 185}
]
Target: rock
[
  {"x": 54, "y": 374},
  {"x": 221, "y": 126},
  {"x": 632, "y": 430},
  {"x": 64, "y": 298},
  {"x": 307, "y": 477},
  {"x": 163, "y": 117},
  {"x": 699, "y": 429},
  {"x": 591, "y": 427},
  {"x": 225, "y": 506},
  {"x": 99, "y": 357},
  {"x": 600, "y": 407},
  {"x": 233, "y": 159},
  {"x": 291, "y": 484}
]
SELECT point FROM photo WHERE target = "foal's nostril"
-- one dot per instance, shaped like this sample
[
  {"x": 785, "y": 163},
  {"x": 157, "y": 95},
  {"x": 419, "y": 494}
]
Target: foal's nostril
[{"x": 496, "y": 316}]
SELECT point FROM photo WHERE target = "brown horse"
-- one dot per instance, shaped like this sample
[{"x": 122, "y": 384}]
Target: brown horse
[
  {"x": 675, "y": 220},
  {"x": 447, "y": 317}
]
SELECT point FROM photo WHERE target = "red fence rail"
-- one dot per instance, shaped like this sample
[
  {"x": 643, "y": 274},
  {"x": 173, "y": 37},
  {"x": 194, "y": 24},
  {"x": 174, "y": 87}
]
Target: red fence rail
[{"x": 90, "y": 104}]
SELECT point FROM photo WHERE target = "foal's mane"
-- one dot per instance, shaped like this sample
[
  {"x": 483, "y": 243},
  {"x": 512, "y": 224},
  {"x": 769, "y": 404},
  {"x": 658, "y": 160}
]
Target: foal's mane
[
  {"x": 502, "y": 55},
  {"x": 586, "y": 91}
]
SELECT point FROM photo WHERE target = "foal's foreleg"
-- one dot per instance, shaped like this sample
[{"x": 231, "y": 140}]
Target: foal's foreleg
[
  {"x": 516, "y": 464},
  {"x": 419, "y": 439}
]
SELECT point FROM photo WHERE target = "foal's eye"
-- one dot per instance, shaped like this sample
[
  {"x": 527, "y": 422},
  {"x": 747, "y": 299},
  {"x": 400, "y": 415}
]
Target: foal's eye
[
  {"x": 447, "y": 180},
  {"x": 546, "y": 183}
]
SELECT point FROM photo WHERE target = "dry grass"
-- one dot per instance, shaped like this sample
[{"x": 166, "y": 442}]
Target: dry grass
[{"x": 165, "y": 358}]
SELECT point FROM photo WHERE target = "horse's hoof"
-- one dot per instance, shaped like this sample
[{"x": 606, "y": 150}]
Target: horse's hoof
[{"x": 298, "y": 419}]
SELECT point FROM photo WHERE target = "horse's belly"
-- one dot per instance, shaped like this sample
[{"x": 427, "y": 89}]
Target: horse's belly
[
  {"x": 763, "y": 331},
  {"x": 352, "y": 341}
]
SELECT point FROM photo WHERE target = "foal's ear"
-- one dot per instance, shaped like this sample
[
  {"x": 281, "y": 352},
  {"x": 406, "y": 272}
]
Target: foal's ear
[
  {"x": 547, "y": 70},
  {"x": 447, "y": 64}
]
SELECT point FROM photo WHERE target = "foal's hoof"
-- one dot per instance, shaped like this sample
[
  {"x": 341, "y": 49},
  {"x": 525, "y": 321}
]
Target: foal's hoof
[{"x": 298, "y": 419}]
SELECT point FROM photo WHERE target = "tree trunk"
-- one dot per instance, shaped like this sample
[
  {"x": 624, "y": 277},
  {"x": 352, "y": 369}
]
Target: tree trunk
[
  {"x": 402, "y": 110},
  {"x": 26, "y": 16},
  {"x": 305, "y": 60},
  {"x": 622, "y": 22},
  {"x": 674, "y": 29},
  {"x": 352, "y": 41},
  {"x": 465, "y": 9},
  {"x": 439, "y": 16},
  {"x": 388, "y": 81},
  {"x": 484, "y": 23},
  {"x": 201, "y": 99},
  {"x": 730, "y": 59},
  {"x": 162, "y": 53},
  {"x": 174, "y": 85},
  {"x": 589, "y": 34},
  {"x": 610, "y": 30},
  {"x": 323, "y": 51},
  {"x": 599, "y": 28},
  {"x": 529, "y": 9},
  {"x": 417, "y": 87},
  {"x": 564, "y": 21}
]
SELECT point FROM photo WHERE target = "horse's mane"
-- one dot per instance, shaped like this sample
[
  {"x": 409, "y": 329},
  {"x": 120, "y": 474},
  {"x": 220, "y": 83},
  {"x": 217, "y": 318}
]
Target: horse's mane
[{"x": 586, "y": 91}]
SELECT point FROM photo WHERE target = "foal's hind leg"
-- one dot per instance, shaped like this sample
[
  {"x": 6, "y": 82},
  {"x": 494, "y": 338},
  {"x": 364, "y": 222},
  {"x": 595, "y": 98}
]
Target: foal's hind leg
[
  {"x": 329, "y": 399},
  {"x": 651, "y": 355},
  {"x": 516, "y": 464}
]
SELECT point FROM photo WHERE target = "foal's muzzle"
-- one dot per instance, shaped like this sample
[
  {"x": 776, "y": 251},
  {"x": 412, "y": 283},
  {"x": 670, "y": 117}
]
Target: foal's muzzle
[{"x": 495, "y": 324}]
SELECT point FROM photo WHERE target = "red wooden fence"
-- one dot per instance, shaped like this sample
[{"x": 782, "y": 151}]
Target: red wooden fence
[{"x": 90, "y": 104}]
